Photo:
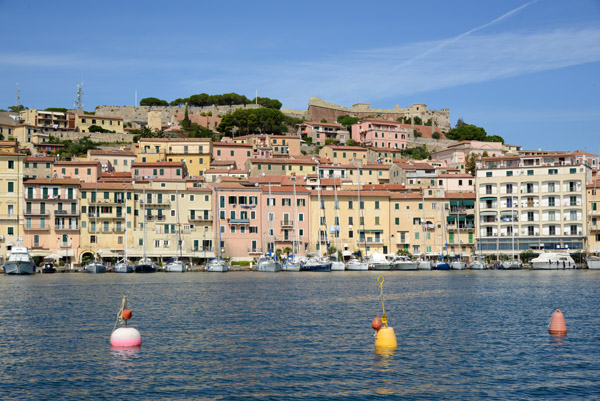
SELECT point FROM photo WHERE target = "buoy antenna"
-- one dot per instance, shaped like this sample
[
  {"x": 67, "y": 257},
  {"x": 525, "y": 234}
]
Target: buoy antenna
[{"x": 380, "y": 280}]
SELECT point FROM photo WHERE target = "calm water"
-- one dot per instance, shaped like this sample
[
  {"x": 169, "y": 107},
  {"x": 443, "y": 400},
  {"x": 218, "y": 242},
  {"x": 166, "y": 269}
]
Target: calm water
[{"x": 249, "y": 335}]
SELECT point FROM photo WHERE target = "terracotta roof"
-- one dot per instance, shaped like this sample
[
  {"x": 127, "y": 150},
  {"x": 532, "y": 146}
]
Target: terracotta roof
[
  {"x": 455, "y": 176},
  {"x": 406, "y": 195},
  {"x": 232, "y": 144},
  {"x": 107, "y": 185},
  {"x": 324, "y": 124},
  {"x": 77, "y": 163},
  {"x": 342, "y": 147},
  {"x": 111, "y": 153},
  {"x": 61, "y": 181},
  {"x": 286, "y": 189},
  {"x": 42, "y": 159},
  {"x": 460, "y": 195},
  {"x": 389, "y": 187},
  {"x": 158, "y": 164},
  {"x": 174, "y": 140},
  {"x": 282, "y": 161}
]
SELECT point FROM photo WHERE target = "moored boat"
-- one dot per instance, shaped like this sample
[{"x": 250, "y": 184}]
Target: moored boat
[
  {"x": 593, "y": 262},
  {"x": 511, "y": 264},
  {"x": 217, "y": 266},
  {"x": 268, "y": 264},
  {"x": 123, "y": 267},
  {"x": 477, "y": 264},
  {"x": 402, "y": 262},
  {"x": 19, "y": 261},
  {"x": 176, "y": 266},
  {"x": 94, "y": 267},
  {"x": 553, "y": 261},
  {"x": 356, "y": 265},
  {"x": 316, "y": 264},
  {"x": 424, "y": 264},
  {"x": 48, "y": 268},
  {"x": 378, "y": 261},
  {"x": 291, "y": 264},
  {"x": 144, "y": 266}
]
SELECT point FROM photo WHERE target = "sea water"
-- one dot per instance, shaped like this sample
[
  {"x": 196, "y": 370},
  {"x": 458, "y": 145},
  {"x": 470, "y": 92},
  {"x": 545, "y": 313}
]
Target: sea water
[{"x": 248, "y": 335}]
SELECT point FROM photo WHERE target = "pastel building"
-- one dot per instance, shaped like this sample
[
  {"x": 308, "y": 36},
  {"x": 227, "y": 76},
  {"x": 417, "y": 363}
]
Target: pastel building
[
  {"x": 56, "y": 120},
  {"x": 83, "y": 122},
  {"x": 120, "y": 160},
  {"x": 159, "y": 170},
  {"x": 237, "y": 153},
  {"x": 258, "y": 167},
  {"x": 454, "y": 155},
  {"x": 11, "y": 204},
  {"x": 86, "y": 171},
  {"x": 530, "y": 202},
  {"x": 355, "y": 155},
  {"x": 380, "y": 134},
  {"x": 52, "y": 217},
  {"x": 194, "y": 152},
  {"x": 319, "y": 133},
  {"x": 38, "y": 167}
]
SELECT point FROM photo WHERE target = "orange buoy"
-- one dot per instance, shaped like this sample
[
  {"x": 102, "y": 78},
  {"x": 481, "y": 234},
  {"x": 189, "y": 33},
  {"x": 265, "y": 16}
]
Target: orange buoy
[
  {"x": 127, "y": 314},
  {"x": 376, "y": 323},
  {"x": 557, "y": 324}
]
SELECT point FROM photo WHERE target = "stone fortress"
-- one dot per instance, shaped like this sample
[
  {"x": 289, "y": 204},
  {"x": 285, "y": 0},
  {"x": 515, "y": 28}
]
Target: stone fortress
[{"x": 319, "y": 109}]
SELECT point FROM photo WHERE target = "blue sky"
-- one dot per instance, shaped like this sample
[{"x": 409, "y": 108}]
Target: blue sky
[{"x": 525, "y": 70}]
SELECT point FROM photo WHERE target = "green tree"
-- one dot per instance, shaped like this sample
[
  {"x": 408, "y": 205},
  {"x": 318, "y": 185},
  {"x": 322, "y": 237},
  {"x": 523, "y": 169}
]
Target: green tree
[
  {"x": 418, "y": 134},
  {"x": 467, "y": 132},
  {"x": 347, "y": 121},
  {"x": 494, "y": 138},
  {"x": 324, "y": 121},
  {"x": 417, "y": 153},
  {"x": 471, "y": 163},
  {"x": 185, "y": 123},
  {"x": 329, "y": 141},
  {"x": 153, "y": 101},
  {"x": 179, "y": 102},
  {"x": 436, "y": 135},
  {"x": 527, "y": 255},
  {"x": 351, "y": 142},
  {"x": 17, "y": 109},
  {"x": 57, "y": 109},
  {"x": 249, "y": 121},
  {"x": 418, "y": 120}
]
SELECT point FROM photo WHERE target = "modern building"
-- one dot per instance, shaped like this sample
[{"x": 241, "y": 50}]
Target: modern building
[
  {"x": 83, "y": 122},
  {"x": 531, "y": 202}
]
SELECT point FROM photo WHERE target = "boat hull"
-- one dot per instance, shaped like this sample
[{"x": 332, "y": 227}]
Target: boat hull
[
  {"x": 123, "y": 268},
  {"x": 406, "y": 266},
  {"x": 175, "y": 267},
  {"x": 424, "y": 265},
  {"x": 380, "y": 266},
  {"x": 217, "y": 267},
  {"x": 477, "y": 266},
  {"x": 442, "y": 266},
  {"x": 269, "y": 267},
  {"x": 458, "y": 266},
  {"x": 291, "y": 267},
  {"x": 357, "y": 266},
  {"x": 338, "y": 266},
  {"x": 593, "y": 263},
  {"x": 551, "y": 266},
  {"x": 19, "y": 268},
  {"x": 144, "y": 268},
  {"x": 511, "y": 265},
  {"x": 95, "y": 268},
  {"x": 316, "y": 267}
]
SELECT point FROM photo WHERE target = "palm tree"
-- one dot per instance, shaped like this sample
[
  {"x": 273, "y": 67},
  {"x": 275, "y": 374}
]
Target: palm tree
[{"x": 287, "y": 250}]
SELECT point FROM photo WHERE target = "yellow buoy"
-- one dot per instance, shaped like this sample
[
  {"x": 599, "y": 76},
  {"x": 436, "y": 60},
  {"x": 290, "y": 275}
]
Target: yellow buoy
[{"x": 386, "y": 338}]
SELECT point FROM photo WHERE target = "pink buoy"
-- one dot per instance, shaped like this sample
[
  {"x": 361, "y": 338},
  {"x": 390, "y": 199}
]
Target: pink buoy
[{"x": 125, "y": 337}]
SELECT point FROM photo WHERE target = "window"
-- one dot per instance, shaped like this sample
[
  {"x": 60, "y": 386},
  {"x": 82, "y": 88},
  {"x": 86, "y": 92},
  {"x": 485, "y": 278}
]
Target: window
[
  {"x": 377, "y": 206},
  {"x": 488, "y": 174},
  {"x": 11, "y": 186},
  {"x": 509, "y": 173},
  {"x": 529, "y": 172},
  {"x": 11, "y": 164},
  {"x": 572, "y": 171}
]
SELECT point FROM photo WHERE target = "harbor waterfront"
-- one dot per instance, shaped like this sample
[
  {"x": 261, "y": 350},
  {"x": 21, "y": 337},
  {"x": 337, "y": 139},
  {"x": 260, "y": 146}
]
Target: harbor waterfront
[{"x": 244, "y": 335}]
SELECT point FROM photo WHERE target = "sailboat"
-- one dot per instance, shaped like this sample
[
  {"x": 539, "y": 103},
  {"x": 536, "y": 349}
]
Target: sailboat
[
  {"x": 442, "y": 264},
  {"x": 19, "y": 260},
  {"x": 293, "y": 263},
  {"x": 266, "y": 262},
  {"x": 144, "y": 265},
  {"x": 316, "y": 262},
  {"x": 95, "y": 266},
  {"x": 424, "y": 263},
  {"x": 336, "y": 264},
  {"x": 124, "y": 266},
  {"x": 457, "y": 263},
  {"x": 177, "y": 265},
  {"x": 217, "y": 264},
  {"x": 512, "y": 263},
  {"x": 355, "y": 263}
]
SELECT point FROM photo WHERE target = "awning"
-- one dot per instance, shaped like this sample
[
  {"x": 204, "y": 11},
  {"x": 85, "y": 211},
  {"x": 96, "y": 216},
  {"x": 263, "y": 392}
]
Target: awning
[
  {"x": 488, "y": 213},
  {"x": 462, "y": 202},
  {"x": 451, "y": 219},
  {"x": 370, "y": 231},
  {"x": 488, "y": 198},
  {"x": 66, "y": 252}
]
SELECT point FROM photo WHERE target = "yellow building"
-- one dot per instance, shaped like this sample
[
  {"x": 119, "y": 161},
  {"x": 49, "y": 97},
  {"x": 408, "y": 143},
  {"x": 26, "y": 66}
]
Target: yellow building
[
  {"x": 259, "y": 167},
  {"x": 83, "y": 122},
  {"x": 348, "y": 226},
  {"x": 45, "y": 119},
  {"x": 11, "y": 206},
  {"x": 106, "y": 210},
  {"x": 344, "y": 154},
  {"x": 194, "y": 152}
]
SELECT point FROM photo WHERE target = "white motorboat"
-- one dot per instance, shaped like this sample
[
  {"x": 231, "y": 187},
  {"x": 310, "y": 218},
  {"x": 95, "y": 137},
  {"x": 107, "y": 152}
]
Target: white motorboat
[
  {"x": 401, "y": 262},
  {"x": 378, "y": 261},
  {"x": 356, "y": 265},
  {"x": 424, "y": 265},
  {"x": 593, "y": 262},
  {"x": 458, "y": 264},
  {"x": 477, "y": 264},
  {"x": 123, "y": 267},
  {"x": 176, "y": 266},
  {"x": 553, "y": 261},
  {"x": 217, "y": 265},
  {"x": 19, "y": 261},
  {"x": 511, "y": 264}
]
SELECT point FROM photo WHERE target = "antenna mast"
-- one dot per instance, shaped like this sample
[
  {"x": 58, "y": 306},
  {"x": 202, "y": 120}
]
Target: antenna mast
[
  {"x": 18, "y": 97},
  {"x": 79, "y": 98}
]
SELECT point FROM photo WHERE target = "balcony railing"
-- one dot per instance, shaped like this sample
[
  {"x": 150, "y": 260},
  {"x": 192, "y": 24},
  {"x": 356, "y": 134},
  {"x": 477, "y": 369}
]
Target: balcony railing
[
  {"x": 67, "y": 244},
  {"x": 30, "y": 212},
  {"x": 202, "y": 249},
  {"x": 8, "y": 217},
  {"x": 37, "y": 227},
  {"x": 201, "y": 217},
  {"x": 106, "y": 201},
  {"x": 65, "y": 212},
  {"x": 255, "y": 250},
  {"x": 66, "y": 227},
  {"x": 163, "y": 202},
  {"x": 287, "y": 223}
]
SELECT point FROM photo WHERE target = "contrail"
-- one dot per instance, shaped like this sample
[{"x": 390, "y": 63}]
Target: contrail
[{"x": 463, "y": 35}]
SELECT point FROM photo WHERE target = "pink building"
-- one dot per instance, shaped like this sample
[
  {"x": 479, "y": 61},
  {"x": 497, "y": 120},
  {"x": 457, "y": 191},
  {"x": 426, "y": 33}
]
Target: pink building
[
  {"x": 454, "y": 155},
  {"x": 85, "y": 171},
  {"x": 456, "y": 182},
  {"x": 240, "y": 221},
  {"x": 285, "y": 224},
  {"x": 160, "y": 170},
  {"x": 380, "y": 134},
  {"x": 232, "y": 152},
  {"x": 320, "y": 132}
]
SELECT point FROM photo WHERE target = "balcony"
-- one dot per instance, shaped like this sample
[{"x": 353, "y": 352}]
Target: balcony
[
  {"x": 465, "y": 227},
  {"x": 9, "y": 217},
  {"x": 162, "y": 203},
  {"x": 65, "y": 212},
  {"x": 202, "y": 249},
  {"x": 30, "y": 212},
  {"x": 67, "y": 244},
  {"x": 373, "y": 241},
  {"x": 255, "y": 251},
  {"x": 37, "y": 227},
  {"x": 201, "y": 217},
  {"x": 66, "y": 227},
  {"x": 279, "y": 239},
  {"x": 107, "y": 202},
  {"x": 428, "y": 226},
  {"x": 238, "y": 221},
  {"x": 287, "y": 224}
]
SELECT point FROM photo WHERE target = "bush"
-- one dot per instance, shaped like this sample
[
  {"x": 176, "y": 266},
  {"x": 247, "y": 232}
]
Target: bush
[
  {"x": 436, "y": 135},
  {"x": 418, "y": 134}
]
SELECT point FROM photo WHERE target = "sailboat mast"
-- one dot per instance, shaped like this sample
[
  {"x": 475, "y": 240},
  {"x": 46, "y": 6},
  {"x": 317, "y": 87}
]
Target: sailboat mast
[
  {"x": 423, "y": 224},
  {"x": 178, "y": 224},
  {"x": 319, "y": 206},
  {"x": 125, "y": 250},
  {"x": 96, "y": 225},
  {"x": 218, "y": 221},
  {"x": 336, "y": 222},
  {"x": 359, "y": 209},
  {"x": 270, "y": 224},
  {"x": 144, "y": 226}
]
